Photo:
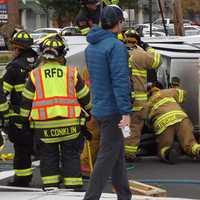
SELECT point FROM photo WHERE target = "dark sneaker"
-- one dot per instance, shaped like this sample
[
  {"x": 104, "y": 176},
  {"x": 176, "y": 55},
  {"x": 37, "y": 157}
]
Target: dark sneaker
[{"x": 130, "y": 158}]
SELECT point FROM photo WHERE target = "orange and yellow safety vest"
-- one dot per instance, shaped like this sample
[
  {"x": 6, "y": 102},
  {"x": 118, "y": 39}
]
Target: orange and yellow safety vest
[{"x": 59, "y": 101}]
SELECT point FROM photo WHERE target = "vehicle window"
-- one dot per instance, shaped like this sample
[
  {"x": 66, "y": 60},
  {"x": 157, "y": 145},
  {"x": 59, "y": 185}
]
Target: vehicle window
[
  {"x": 189, "y": 28},
  {"x": 49, "y": 31},
  {"x": 38, "y": 31},
  {"x": 185, "y": 21},
  {"x": 35, "y": 37},
  {"x": 45, "y": 31},
  {"x": 159, "y": 21}
]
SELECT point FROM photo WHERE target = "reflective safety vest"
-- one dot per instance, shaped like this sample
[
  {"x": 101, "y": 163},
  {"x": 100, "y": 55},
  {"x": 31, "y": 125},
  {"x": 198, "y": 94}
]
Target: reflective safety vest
[{"x": 55, "y": 94}]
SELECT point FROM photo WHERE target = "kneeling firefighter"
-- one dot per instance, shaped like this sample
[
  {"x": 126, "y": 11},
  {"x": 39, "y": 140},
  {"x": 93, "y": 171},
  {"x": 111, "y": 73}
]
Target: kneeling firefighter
[
  {"x": 13, "y": 83},
  {"x": 53, "y": 98},
  {"x": 169, "y": 122}
]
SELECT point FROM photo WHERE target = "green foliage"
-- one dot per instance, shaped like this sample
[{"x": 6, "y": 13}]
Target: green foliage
[
  {"x": 191, "y": 7},
  {"x": 128, "y": 3},
  {"x": 64, "y": 10},
  {"x": 5, "y": 58},
  {"x": 68, "y": 9},
  {"x": 60, "y": 6}
]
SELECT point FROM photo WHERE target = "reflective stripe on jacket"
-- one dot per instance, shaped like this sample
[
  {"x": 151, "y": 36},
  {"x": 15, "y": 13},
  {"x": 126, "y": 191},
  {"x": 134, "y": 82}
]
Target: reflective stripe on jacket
[
  {"x": 85, "y": 31},
  {"x": 156, "y": 58},
  {"x": 139, "y": 62},
  {"x": 168, "y": 119},
  {"x": 59, "y": 101},
  {"x": 164, "y": 109}
]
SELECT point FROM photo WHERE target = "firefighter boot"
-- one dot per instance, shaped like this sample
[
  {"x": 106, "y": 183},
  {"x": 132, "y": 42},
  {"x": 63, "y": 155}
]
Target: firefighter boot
[
  {"x": 196, "y": 151},
  {"x": 21, "y": 181},
  {"x": 171, "y": 155},
  {"x": 130, "y": 158}
]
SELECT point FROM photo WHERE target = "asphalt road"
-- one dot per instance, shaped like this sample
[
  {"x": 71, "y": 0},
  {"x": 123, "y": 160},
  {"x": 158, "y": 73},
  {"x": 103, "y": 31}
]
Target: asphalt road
[{"x": 180, "y": 180}]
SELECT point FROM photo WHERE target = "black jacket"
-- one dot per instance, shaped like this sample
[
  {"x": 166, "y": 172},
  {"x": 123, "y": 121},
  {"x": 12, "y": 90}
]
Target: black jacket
[
  {"x": 16, "y": 74},
  {"x": 87, "y": 18}
]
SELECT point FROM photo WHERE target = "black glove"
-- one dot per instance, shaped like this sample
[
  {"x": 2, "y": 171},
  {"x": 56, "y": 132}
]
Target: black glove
[
  {"x": 144, "y": 45},
  {"x": 20, "y": 123},
  {"x": 19, "y": 132},
  {"x": 86, "y": 133}
]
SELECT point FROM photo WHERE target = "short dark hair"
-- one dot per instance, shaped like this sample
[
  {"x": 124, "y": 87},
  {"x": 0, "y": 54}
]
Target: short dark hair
[{"x": 111, "y": 16}]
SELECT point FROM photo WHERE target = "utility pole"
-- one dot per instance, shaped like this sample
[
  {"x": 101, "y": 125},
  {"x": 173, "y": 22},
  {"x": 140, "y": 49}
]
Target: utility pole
[
  {"x": 162, "y": 16},
  {"x": 178, "y": 18},
  {"x": 150, "y": 15}
]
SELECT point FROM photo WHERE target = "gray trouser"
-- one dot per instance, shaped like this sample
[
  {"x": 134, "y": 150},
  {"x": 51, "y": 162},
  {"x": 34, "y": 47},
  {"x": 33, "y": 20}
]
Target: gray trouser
[{"x": 110, "y": 162}]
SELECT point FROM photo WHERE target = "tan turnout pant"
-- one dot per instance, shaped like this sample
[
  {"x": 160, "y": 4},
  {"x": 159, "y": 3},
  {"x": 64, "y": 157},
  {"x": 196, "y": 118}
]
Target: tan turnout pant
[
  {"x": 94, "y": 143},
  {"x": 132, "y": 142},
  {"x": 184, "y": 133}
]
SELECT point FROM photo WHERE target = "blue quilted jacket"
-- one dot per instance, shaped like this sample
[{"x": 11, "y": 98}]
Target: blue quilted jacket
[{"x": 107, "y": 61}]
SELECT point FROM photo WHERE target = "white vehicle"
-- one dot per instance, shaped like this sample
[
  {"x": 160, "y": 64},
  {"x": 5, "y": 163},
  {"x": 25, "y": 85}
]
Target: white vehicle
[
  {"x": 41, "y": 32},
  {"x": 70, "y": 31},
  {"x": 47, "y": 30},
  {"x": 192, "y": 30},
  {"x": 169, "y": 22},
  {"x": 154, "y": 34},
  {"x": 146, "y": 27}
]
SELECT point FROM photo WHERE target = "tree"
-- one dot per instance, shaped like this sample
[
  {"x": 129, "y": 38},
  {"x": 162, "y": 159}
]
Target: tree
[
  {"x": 129, "y": 4},
  {"x": 190, "y": 7},
  {"x": 45, "y": 5},
  {"x": 64, "y": 10}
]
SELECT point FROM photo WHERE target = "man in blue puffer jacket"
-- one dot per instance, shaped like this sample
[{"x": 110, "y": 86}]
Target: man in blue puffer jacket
[{"x": 107, "y": 60}]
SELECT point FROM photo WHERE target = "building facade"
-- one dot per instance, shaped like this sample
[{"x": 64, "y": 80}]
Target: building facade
[{"x": 32, "y": 16}]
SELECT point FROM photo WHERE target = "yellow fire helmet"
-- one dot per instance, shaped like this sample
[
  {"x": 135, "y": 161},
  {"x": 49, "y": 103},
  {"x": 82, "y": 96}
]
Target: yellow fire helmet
[
  {"x": 132, "y": 38},
  {"x": 22, "y": 40},
  {"x": 52, "y": 48}
]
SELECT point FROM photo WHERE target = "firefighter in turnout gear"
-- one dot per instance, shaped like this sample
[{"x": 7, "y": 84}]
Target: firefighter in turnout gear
[
  {"x": 53, "y": 98},
  {"x": 93, "y": 127},
  {"x": 13, "y": 83},
  {"x": 139, "y": 62},
  {"x": 89, "y": 14},
  {"x": 169, "y": 122}
]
